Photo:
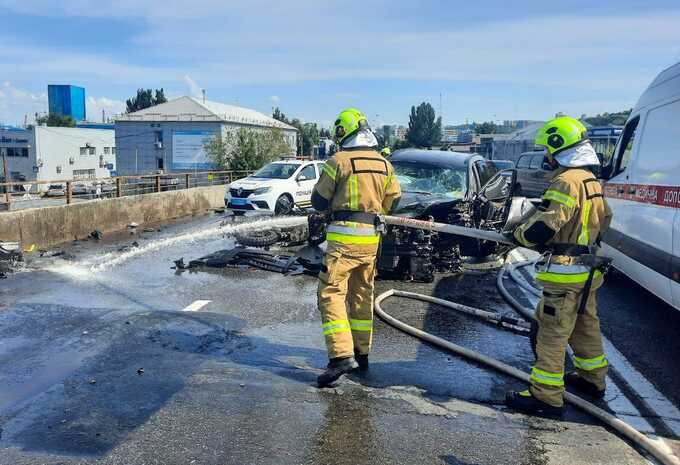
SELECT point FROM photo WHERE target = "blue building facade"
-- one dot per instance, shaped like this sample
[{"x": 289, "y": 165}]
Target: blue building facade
[{"x": 67, "y": 100}]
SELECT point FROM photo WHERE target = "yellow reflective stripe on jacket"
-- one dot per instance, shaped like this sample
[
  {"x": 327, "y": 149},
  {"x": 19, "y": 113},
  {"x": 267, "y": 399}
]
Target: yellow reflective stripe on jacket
[
  {"x": 589, "y": 364},
  {"x": 388, "y": 180},
  {"x": 330, "y": 171},
  {"x": 561, "y": 278},
  {"x": 583, "y": 238},
  {"x": 560, "y": 197},
  {"x": 351, "y": 239},
  {"x": 353, "y": 186},
  {"x": 336, "y": 326},
  {"x": 361, "y": 325},
  {"x": 545, "y": 377}
]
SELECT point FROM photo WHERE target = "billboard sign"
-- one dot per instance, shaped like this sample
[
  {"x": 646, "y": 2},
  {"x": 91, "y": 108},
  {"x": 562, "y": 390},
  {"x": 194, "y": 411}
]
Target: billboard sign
[{"x": 188, "y": 152}]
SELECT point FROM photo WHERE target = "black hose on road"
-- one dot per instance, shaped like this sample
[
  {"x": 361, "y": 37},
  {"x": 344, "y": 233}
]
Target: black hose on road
[{"x": 663, "y": 456}]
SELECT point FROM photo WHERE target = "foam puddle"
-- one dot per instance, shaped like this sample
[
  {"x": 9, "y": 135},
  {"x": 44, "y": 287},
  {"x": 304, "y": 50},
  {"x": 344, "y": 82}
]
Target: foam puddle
[{"x": 93, "y": 265}]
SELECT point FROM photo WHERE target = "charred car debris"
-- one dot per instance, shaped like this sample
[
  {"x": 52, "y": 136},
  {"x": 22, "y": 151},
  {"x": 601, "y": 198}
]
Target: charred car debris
[{"x": 446, "y": 187}]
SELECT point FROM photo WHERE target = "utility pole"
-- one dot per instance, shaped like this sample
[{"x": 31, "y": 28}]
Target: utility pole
[
  {"x": 136, "y": 166},
  {"x": 8, "y": 196}
]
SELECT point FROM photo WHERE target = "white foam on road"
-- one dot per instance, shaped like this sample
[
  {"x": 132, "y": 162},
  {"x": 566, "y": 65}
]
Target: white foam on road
[
  {"x": 196, "y": 306},
  {"x": 84, "y": 269}
]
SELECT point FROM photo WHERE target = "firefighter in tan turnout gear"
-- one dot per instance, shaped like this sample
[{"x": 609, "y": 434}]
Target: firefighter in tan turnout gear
[
  {"x": 567, "y": 227},
  {"x": 356, "y": 185}
]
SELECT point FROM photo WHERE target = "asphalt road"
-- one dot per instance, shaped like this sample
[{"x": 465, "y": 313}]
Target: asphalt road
[{"x": 109, "y": 356}]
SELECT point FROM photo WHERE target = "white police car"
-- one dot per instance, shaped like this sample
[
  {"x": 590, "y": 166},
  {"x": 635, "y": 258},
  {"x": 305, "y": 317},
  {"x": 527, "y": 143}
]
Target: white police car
[{"x": 275, "y": 188}]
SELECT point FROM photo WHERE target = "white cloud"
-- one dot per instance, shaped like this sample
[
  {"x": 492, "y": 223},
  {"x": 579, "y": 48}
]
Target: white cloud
[
  {"x": 275, "y": 99},
  {"x": 111, "y": 107},
  {"x": 223, "y": 45},
  {"x": 17, "y": 104}
]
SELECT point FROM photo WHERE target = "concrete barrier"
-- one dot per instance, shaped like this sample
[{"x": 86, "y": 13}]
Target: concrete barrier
[{"x": 49, "y": 226}]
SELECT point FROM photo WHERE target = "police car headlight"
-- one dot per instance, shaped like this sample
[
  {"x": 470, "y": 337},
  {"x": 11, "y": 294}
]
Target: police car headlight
[{"x": 261, "y": 190}]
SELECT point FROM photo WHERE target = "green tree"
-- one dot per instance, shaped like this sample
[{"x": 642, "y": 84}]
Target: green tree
[
  {"x": 310, "y": 137},
  {"x": 56, "y": 119},
  {"x": 487, "y": 127},
  {"x": 277, "y": 114},
  {"x": 608, "y": 119},
  {"x": 246, "y": 149},
  {"x": 145, "y": 98},
  {"x": 424, "y": 128}
]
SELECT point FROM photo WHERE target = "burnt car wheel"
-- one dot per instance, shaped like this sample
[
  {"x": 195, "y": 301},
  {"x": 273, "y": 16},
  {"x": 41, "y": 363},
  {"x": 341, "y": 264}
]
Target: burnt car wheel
[{"x": 257, "y": 238}]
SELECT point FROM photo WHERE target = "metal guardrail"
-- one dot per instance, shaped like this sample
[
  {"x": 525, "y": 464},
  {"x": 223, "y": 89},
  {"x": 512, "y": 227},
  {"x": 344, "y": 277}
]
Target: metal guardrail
[{"x": 20, "y": 195}]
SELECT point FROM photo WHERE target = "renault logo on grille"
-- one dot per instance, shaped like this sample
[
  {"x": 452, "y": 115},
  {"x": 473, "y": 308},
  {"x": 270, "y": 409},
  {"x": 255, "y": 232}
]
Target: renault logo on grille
[{"x": 240, "y": 191}]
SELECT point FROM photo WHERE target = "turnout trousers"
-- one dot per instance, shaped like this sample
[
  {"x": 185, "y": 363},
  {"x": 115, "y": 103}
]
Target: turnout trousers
[
  {"x": 345, "y": 298},
  {"x": 559, "y": 324}
]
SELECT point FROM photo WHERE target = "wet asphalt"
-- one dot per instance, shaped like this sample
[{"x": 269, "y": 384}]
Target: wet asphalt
[{"x": 100, "y": 364}]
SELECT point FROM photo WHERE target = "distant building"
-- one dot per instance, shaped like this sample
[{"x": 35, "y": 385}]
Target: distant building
[
  {"x": 400, "y": 132},
  {"x": 171, "y": 136},
  {"x": 516, "y": 143},
  {"x": 45, "y": 153},
  {"x": 67, "y": 100},
  {"x": 449, "y": 134}
]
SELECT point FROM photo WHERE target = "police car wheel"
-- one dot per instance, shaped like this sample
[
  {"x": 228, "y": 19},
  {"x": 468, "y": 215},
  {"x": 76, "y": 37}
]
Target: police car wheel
[{"x": 284, "y": 205}]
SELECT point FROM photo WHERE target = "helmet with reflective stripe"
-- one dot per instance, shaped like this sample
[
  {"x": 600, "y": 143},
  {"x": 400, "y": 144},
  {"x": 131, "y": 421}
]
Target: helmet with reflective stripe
[
  {"x": 560, "y": 134},
  {"x": 348, "y": 123}
]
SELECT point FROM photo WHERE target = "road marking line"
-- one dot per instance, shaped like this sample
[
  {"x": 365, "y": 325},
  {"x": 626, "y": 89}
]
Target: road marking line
[{"x": 196, "y": 306}]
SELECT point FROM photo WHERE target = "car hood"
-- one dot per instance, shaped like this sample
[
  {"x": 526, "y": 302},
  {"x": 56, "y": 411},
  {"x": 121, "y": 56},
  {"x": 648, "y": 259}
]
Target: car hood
[
  {"x": 413, "y": 205},
  {"x": 254, "y": 183}
]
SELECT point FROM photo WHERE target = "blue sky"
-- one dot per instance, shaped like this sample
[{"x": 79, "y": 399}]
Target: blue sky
[{"x": 488, "y": 59}]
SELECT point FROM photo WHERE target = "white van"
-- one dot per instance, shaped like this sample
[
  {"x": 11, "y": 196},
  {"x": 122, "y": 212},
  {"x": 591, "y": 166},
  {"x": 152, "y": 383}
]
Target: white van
[{"x": 643, "y": 188}]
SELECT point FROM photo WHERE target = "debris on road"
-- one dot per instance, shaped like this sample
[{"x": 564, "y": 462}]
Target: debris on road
[
  {"x": 140, "y": 371},
  {"x": 10, "y": 257},
  {"x": 96, "y": 235},
  {"x": 306, "y": 261}
]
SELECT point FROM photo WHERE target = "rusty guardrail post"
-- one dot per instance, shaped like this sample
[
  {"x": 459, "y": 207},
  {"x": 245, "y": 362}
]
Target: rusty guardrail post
[
  {"x": 186, "y": 179},
  {"x": 68, "y": 192},
  {"x": 158, "y": 183},
  {"x": 119, "y": 188}
]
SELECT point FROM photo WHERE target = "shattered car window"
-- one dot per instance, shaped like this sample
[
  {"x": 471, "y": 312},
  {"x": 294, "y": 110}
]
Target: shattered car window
[
  {"x": 277, "y": 171},
  {"x": 431, "y": 179}
]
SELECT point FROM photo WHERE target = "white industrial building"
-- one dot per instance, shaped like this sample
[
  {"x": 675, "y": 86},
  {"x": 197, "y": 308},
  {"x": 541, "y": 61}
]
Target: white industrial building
[
  {"x": 43, "y": 153},
  {"x": 170, "y": 137}
]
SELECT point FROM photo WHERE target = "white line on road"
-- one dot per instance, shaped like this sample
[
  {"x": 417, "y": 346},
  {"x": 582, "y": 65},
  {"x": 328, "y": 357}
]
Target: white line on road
[{"x": 196, "y": 306}]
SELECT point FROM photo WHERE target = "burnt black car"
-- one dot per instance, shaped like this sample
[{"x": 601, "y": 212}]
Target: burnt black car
[{"x": 457, "y": 188}]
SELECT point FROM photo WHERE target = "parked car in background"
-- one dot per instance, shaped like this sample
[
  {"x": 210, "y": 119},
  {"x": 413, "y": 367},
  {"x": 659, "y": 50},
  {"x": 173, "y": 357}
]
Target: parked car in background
[
  {"x": 56, "y": 190},
  {"x": 504, "y": 164},
  {"x": 81, "y": 190},
  {"x": 275, "y": 188},
  {"x": 533, "y": 174}
]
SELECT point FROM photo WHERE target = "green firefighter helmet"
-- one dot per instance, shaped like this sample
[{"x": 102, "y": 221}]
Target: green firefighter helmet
[
  {"x": 347, "y": 124},
  {"x": 560, "y": 134}
]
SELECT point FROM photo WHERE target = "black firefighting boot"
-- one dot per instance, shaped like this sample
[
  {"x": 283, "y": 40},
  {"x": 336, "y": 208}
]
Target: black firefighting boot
[
  {"x": 584, "y": 387},
  {"x": 524, "y": 402},
  {"x": 336, "y": 368},
  {"x": 362, "y": 360}
]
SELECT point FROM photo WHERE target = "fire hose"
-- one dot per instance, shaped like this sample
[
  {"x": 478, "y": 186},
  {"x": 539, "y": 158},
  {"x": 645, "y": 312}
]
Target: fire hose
[{"x": 627, "y": 431}]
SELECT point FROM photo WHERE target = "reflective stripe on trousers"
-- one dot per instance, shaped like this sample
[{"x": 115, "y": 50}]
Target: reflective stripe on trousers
[
  {"x": 545, "y": 377},
  {"x": 336, "y": 326},
  {"x": 361, "y": 325},
  {"x": 589, "y": 364}
]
